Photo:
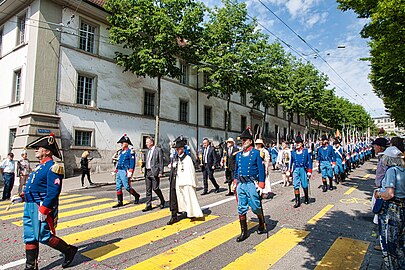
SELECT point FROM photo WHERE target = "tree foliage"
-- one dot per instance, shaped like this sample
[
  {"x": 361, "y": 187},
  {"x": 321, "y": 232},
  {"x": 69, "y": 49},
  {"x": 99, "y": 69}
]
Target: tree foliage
[{"x": 387, "y": 48}]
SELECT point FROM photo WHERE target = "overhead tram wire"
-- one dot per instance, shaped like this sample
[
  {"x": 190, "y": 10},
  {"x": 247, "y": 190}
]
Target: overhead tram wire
[{"x": 315, "y": 51}]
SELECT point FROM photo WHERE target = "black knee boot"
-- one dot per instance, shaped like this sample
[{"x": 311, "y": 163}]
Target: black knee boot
[
  {"x": 262, "y": 224},
  {"x": 135, "y": 194},
  {"x": 337, "y": 176},
  {"x": 306, "y": 200},
  {"x": 325, "y": 186},
  {"x": 243, "y": 226},
  {"x": 297, "y": 198},
  {"x": 330, "y": 183},
  {"x": 119, "y": 200},
  {"x": 68, "y": 250},
  {"x": 31, "y": 255}
]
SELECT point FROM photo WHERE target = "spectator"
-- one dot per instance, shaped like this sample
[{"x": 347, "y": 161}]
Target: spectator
[
  {"x": 7, "y": 169},
  {"x": 84, "y": 166},
  {"x": 24, "y": 170}
]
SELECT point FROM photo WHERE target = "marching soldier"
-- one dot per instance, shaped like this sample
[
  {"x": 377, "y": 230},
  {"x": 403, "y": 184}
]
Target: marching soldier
[
  {"x": 228, "y": 161},
  {"x": 339, "y": 157},
  {"x": 274, "y": 154},
  {"x": 301, "y": 168},
  {"x": 124, "y": 170},
  {"x": 249, "y": 169},
  {"x": 326, "y": 160},
  {"x": 41, "y": 197}
]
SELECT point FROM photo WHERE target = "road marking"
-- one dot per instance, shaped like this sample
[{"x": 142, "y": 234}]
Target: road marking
[
  {"x": 12, "y": 264},
  {"x": 21, "y": 205},
  {"x": 351, "y": 190},
  {"x": 98, "y": 217},
  {"x": 355, "y": 200},
  {"x": 188, "y": 251},
  {"x": 345, "y": 253},
  {"x": 69, "y": 213},
  {"x": 320, "y": 214},
  {"x": 268, "y": 252},
  {"x": 120, "y": 247},
  {"x": 78, "y": 237},
  {"x": 366, "y": 176}
]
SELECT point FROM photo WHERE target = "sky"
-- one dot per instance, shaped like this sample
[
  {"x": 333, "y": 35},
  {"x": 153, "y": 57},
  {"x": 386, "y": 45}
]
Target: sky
[{"x": 325, "y": 28}]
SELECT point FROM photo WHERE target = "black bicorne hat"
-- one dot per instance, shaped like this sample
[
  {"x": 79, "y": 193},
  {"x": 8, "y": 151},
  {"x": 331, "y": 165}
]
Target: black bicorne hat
[
  {"x": 336, "y": 141},
  {"x": 247, "y": 134},
  {"x": 47, "y": 142},
  {"x": 126, "y": 139},
  {"x": 324, "y": 138},
  {"x": 179, "y": 142},
  {"x": 299, "y": 139}
]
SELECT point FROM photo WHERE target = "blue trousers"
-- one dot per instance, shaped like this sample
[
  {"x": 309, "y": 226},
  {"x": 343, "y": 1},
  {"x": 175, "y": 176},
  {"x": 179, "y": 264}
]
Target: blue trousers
[
  {"x": 121, "y": 180},
  {"x": 34, "y": 230},
  {"x": 300, "y": 178},
  {"x": 339, "y": 167},
  {"x": 326, "y": 169},
  {"x": 247, "y": 196},
  {"x": 8, "y": 185}
]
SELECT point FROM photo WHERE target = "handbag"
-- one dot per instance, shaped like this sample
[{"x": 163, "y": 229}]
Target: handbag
[{"x": 378, "y": 206}]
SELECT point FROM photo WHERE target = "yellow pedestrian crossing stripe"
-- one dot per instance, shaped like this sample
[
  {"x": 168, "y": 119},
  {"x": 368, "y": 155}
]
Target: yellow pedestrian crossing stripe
[
  {"x": 7, "y": 203},
  {"x": 351, "y": 190},
  {"x": 268, "y": 252},
  {"x": 345, "y": 253},
  {"x": 178, "y": 256},
  {"x": 70, "y": 213},
  {"x": 20, "y": 206},
  {"x": 320, "y": 214},
  {"x": 365, "y": 177},
  {"x": 111, "y": 250},
  {"x": 114, "y": 227}
]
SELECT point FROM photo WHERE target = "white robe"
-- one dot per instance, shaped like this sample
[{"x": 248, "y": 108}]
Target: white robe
[{"x": 186, "y": 183}]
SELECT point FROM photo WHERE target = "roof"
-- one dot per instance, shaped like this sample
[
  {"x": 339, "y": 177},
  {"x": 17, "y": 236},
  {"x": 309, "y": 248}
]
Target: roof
[{"x": 99, "y": 3}]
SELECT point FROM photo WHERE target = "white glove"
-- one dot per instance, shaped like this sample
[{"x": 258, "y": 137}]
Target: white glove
[
  {"x": 16, "y": 199},
  {"x": 259, "y": 189},
  {"x": 234, "y": 185},
  {"x": 129, "y": 174},
  {"x": 309, "y": 175},
  {"x": 41, "y": 217}
]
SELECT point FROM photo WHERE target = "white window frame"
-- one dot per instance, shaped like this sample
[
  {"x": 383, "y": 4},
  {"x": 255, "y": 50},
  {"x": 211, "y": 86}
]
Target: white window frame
[
  {"x": 87, "y": 36},
  {"x": 17, "y": 80},
  {"x": 21, "y": 28},
  {"x": 184, "y": 77},
  {"x": 86, "y": 77},
  {"x": 187, "y": 110},
  {"x": 92, "y": 140}
]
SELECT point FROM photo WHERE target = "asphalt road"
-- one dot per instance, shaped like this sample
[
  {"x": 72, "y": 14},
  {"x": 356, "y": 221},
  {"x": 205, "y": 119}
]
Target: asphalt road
[{"x": 334, "y": 231}]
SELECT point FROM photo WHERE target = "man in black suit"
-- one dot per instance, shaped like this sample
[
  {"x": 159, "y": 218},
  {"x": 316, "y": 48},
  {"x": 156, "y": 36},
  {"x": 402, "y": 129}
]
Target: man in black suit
[
  {"x": 228, "y": 161},
  {"x": 153, "y": 171},
  {"x": 209, "y": 160}
]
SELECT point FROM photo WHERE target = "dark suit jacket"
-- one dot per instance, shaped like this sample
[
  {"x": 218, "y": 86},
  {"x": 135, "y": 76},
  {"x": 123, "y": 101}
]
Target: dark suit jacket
[
  {"x": 156, "y": 162},
  {"x": 230, "y": 160},
  {"x": 212, "y": 158}
]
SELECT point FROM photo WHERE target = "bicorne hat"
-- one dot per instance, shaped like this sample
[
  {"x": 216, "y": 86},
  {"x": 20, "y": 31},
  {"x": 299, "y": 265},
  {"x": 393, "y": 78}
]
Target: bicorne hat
[
  {"x": 298, "y": 139},
  {"x": 126, "y": 139},
  {"x": 324, "y": 138},
  {"x": 179, "y": 142},
  {"x": 247, "y": 134},
  {"x": 47, "y": 142}
]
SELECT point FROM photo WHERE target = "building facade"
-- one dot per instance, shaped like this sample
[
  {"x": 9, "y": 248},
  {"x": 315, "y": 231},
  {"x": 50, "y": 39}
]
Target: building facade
[
  {"x": 388, "y": 125},
  {"x": 58, "y": 74}
]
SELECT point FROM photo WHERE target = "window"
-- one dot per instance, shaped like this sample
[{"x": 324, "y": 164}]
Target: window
[
  {"x": 229, "y": 123},
  {"x": 206, "y": 78},
  {"x": 17, "y": 86},
  {"x": 149, "y": 104},
  {"x": 207, "y": 116},
  {"x": 21, "y": 29},
  {"x": 84, "y": 90},
  {"x": 184, "y": 73},
  {"x": 285, "y": 134},
  {"x": 276, "y": 131},
  {"x": 183, "y": 111},
  {"x": 298, "y": 119},
  {"x": 83, "y": 138},
  {"x": 243, "y": 122},
  {"x": 11, "y": 138},
  {"x": 87, "y": 37},
  {"x": 243, "y": 98},
  {"x": 1, "y": 40},
  {"x": 276, "y": 110}
]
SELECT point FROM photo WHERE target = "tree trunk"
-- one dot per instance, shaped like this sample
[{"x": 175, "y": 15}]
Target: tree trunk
[
  {"x": 264, "y": 122},
  {"x": 227, "y": 120},
  {"x": 157, "y": 111}
]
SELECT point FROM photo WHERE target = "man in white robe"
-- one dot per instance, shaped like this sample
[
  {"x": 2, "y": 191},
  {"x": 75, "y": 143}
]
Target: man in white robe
[{"x": 183, "y": 183}]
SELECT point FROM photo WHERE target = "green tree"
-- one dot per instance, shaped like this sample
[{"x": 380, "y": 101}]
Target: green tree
[
  {"x": 153, "y": 34},
  {"x": 386, "y": 32},
  {"x": 229, "y": 48}
]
